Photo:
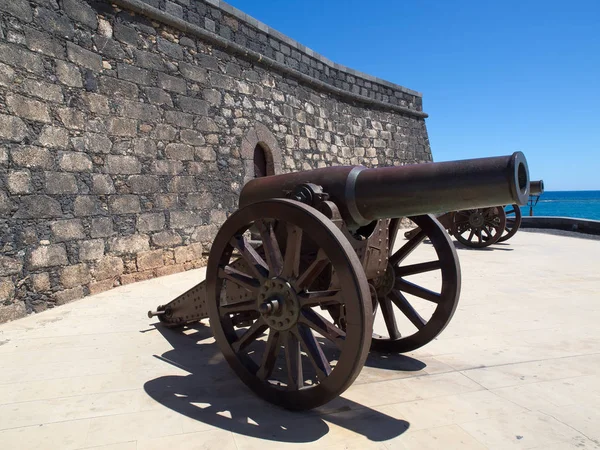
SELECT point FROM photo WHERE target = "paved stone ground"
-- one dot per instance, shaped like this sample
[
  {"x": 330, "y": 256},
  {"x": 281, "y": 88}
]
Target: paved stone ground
[{"x": 517, "y": 367}]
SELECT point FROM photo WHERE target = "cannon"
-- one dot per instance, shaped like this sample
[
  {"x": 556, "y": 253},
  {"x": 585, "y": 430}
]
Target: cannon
[
  {"x": 299, "y": 274},
  {"x": 482, "y": 227}
]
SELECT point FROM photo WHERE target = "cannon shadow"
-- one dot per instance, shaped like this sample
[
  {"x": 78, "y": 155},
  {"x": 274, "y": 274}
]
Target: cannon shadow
[{"x": 213, "y": 395}]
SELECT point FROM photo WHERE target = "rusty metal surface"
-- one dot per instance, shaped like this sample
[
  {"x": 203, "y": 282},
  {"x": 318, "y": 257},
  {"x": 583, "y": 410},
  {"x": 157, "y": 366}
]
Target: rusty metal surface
[
  {"x": 513, "y": 222},
  {"x": 478, "y": 228},
  {"x": 536, "y": 187},
  {"x": 189, "y": 307}
]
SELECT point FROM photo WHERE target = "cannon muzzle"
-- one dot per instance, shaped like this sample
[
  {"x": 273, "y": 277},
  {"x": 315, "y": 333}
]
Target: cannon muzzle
[
  {"x": 363, "y": 195},
  {"x": 536, "y": 187}
]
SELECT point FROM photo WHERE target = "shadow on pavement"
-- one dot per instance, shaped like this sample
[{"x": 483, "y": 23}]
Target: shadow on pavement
[
  {"x": 213, "y": 394},
  {"x": 491, "y": 248}
]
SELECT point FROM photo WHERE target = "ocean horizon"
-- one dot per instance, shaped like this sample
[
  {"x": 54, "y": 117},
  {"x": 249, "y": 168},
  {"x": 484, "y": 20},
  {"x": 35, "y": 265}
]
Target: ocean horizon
[{"x": 575, "y": 204}]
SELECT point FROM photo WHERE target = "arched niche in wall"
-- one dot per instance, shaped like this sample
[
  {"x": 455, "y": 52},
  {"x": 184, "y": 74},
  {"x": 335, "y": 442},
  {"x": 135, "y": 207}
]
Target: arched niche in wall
[{"x": 260, "y": 152}]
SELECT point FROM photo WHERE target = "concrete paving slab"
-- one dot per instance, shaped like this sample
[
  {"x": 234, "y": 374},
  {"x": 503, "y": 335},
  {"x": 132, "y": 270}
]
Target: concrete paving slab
[{"x": 517, "y": 367}]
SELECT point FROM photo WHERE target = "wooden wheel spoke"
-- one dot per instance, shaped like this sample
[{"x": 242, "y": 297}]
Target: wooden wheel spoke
[
  {"x": 408, "y": 248},
  {"x": 390, "y": 319},
  {"x": 479, "y": 236},
  {"x": 512, "y": 211},
  {"x": 255, "y": 330},
  {"x": 418, "y": 291},
  {"x": 413, "y": 269},
  {"x": 293, "y": 360},
  {"x": 240, "y": 278},
  {"x": 248, "y": 305},
  {"x": 269, "y": 356},
  {"x": 258, "y": 265},
  {"x": 312, "y": 272},
  {"x": 319, "y": 298},
  {"x": 271, "y": 247},
  {"x": 322, "y": 326},
  {"x": 291, "y": 262},
  {"x": 471, "y": 234},
  {"x": 407, "y": 309},
  {"x": 314, "y": 352}
]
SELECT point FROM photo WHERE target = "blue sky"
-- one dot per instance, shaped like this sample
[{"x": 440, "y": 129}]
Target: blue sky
[{"x": 496, "y": 76}]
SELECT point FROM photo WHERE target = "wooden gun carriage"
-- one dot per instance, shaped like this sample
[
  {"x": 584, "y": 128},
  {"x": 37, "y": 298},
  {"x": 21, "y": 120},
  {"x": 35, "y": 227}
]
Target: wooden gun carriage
[
  {"x": 299, "y": 274},
  {"x": 482, "y": 227}
]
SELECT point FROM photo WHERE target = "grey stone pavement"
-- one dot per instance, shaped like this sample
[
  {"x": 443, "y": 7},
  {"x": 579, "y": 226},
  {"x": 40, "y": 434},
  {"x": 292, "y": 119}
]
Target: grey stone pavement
[{"x": 518, "y": 367}]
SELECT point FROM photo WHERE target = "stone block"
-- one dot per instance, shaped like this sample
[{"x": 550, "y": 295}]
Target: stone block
[
  {"x": 88, "y": 205},
  {"x": 158, "y": 96},
  {"x": 68, "y": 74},
  {"x": 72, "y": 118},
  {"x": 192, "y": 137},
  {"x": 188, "y": 253},
  {"x": 45, "y": 91},
  {"x": 17, "y": 57},
  {"x": 193, "y": 105},
  {"x": 74, "y": 162},
  {"x": 38, "y": 207},
  {"x": 185, "y": 219},
  {"x": 132, "y": 244},
  {"x": 170, "y": 83},
  {"x": 41, "y": 282},
  {"x": 181, "y": 152},
  {"x": 109, "y": 47},
  {"x": 193, "y": 73},
  {"x": 19, "y": 9},
  {"x": 81, "y": 12},
  {"x": 102, "y": 184},
  {"x": 179, "y": 119},
  {"x": 19, "y": 182},
  {"x": 182, "y": 184},
  {"x": 206, "y": 154},
  {"x": 138, "y": 110},
  {"x": 207, "y": 124},
  {"x": 125, "y": 34},
  {"x": 134, "y": 74},
  {"x": 144, "y": 147},
  {"x": 67, "y": 230},
  {"x": 27, "y": 108},
  {"x": 164, "y": 132},
  {"x": 118, "y": 126},
  {"x": 118, "y": 164},
  {"x": 144, "y": 184},
  {"x": 118, "y": 89},
  {"x": 91, "y": 250},
  {"x": 83, "y": 57},
  {"x": 171, "y": 49},
  {"x": 54, "y": 23},
  {"x": 150, "y": 222},
  {"x": 76, "y": 275},
  {"x": 96, "y": 103},
  {"x": 54, "y": 137},
  {"x": 43, "y": 43},
  {"x": 7, "y": 75},
  {"x": 202, "y": 200},
  {"x": 93, "y": 142},
  {"x": 101, "y": 286},
  {"x": 102, "y": 227},
  {"x": 150, "y": 260},
  {"x": 48, "y": 256},
  {"x": 163, "y": 167},
  {"x": 58, "y": 183},
  {"x": 69, "y": 295},
  {"x": 124, "y": 204},
  {"x": 217, "y": 217},
  {"x": 108, "y": 267},
  {"x": 205, "y": 233},
  {"x": 213, "y": 96},
  {"x": 9, "y": 266},
  {"x": 12, "y": 128},
  {"x": 167, "y": 238},
  {"x": 148, "y": 60}
]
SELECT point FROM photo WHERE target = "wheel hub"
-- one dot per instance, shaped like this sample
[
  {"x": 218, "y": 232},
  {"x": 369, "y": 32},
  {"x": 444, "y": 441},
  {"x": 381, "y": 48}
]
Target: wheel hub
[
  {"x": 278, "y": 304},
  {"x": 476, "y": 220}
]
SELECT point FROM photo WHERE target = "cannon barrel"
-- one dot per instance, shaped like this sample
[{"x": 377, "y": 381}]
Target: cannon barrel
[
  {"x": 536, "y": 187},
  {"x": 364, "y": 195}
]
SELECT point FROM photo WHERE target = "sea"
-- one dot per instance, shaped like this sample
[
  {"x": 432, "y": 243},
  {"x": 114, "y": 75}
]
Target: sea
[{"x": 577, "y": 204}]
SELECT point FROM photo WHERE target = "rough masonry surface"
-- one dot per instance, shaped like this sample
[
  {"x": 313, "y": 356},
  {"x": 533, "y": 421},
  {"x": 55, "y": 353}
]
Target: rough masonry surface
[{"x": 127, "y": 131}]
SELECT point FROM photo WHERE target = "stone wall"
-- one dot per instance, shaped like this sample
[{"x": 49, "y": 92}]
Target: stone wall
[{"x": 127, "y": 131}]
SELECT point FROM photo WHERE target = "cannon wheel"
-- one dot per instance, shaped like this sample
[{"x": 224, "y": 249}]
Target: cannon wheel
[
  {"x": 393, "y": 287},
  {"x": 513, "y": 222},
  {"x": 291, "y": 367},
  {"x": 479, "y": 228}
]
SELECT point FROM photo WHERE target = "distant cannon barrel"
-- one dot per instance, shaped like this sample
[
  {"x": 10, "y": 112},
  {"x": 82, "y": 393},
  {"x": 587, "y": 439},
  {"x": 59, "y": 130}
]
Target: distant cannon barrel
[
  {"x": 536, "y": 187},
  {"x": 364, "y": 195}
]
